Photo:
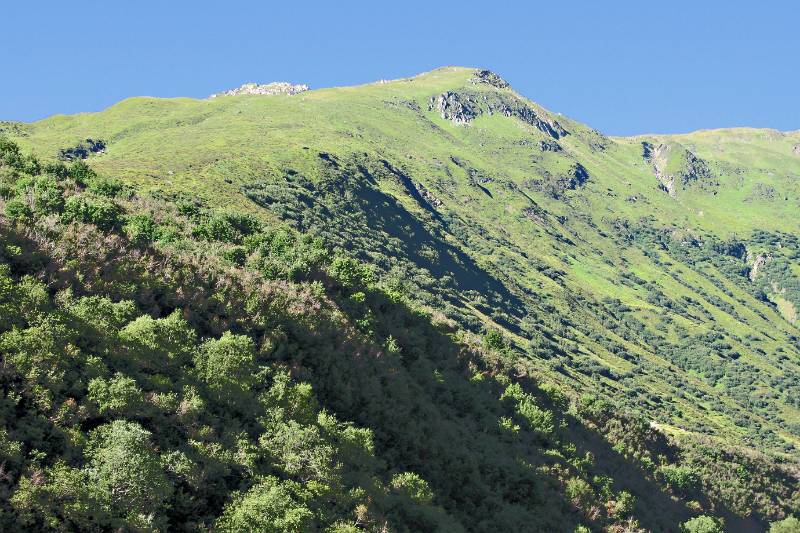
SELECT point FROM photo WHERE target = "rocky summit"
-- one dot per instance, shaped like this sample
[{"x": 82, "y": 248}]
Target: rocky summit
[{"x": 275, "y": 87}]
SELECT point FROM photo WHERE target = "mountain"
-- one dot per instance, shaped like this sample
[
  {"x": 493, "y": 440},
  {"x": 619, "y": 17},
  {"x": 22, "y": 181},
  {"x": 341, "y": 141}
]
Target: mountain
[{"x": 419, "y": 304}]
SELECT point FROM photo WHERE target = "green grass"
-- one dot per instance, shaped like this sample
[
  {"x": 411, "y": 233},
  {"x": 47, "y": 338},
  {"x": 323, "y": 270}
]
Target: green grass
[{"x": 211, "y": 149}]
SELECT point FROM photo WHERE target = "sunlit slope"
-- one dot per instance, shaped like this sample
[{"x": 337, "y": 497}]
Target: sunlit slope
[{"x": 604, "y": 257}]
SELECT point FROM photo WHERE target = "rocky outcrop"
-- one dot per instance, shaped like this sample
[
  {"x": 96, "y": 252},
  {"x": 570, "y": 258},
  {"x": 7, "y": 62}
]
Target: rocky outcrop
[
  {"x": 676, "y": 168},
  {"x": 464, "y": 106},
  {"x": 82, "y": 150},
  {"x": 556, "y": 185},
  {"x": 757, "y": 263},
  {"x": 276, "y": 87},
  {"x": 490, "y": 78},
  {"x": 796, "y": 149},
  {"x": 549, "y": 146},
  {"x": 762, "y": 192},
  {"x": 454, "y": 107}
]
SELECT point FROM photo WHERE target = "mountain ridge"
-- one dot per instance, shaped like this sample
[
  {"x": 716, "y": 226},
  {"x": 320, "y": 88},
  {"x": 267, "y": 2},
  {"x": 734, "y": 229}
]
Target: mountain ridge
[{"x": 659, "y": 273}]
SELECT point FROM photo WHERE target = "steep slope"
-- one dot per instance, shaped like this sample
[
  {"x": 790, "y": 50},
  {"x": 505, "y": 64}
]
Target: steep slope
[{"x": 659, "y": 271}]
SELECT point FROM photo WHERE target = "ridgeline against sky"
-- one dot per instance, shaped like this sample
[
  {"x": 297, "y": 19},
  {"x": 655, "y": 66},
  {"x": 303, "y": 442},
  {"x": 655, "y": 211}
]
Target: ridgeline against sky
[{"x": 622, "y": 67}]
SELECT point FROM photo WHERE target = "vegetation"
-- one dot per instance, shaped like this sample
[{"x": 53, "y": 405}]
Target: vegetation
[{"x": 396, "y": 328}]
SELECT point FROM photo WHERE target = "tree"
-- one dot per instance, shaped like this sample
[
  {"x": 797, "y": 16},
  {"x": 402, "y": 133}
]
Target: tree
[
  {"x": 787, "y": 525},
  {"x": 228, "y": 366},
  {"x": 413, "y": 486},
  {"x": 126, "y": 471},
  {"x": 270, "y": 506},
  {"x": 119, "y": 395},
  {"x": 159, "y": 344},
  {"x": 61, "y": 498},
  {"x": 702, "y": 524}
]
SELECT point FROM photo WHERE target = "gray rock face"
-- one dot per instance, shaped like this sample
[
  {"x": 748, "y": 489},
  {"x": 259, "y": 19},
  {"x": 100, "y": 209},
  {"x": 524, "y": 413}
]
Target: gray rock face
[
  {"x": 82, "y": 150},
  {"x": 490, "y": 78},
  {"x": 556, "y": 185},
  {"x": 549, "y": 146},
  {"x": 454, "y": 107},
  {"x": 464, "y": 106},
  {"x": 691, "y": 168},
  {"x": 762, "y": 192},
  {"x": 276, "y": 87},
  {"x": 796, "y": 149},
  {"x": 757, "y": 263}
]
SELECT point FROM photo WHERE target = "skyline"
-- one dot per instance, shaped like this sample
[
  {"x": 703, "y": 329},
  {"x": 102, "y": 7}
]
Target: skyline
[{"x": 627, "y": 69}]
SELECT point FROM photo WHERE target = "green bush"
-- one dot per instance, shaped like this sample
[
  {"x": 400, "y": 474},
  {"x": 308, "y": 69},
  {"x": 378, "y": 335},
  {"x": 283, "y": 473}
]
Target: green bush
[
  {"x": 789, "y": 524},
  {"x": 413, "y": 486},
  {"x": 270, "y": 506},
  {"x": 228, "y": 227},
  {"x": 158, "y": 344},
  {"x": 48, "y": 196},
  {"x": 104, "y": 186},
  {"x": 579, "y": 492},
  {"x": 681, "y": 478},
  {"x": 702, "y": 524},
  {"x": 126, "y": 471},
  {"x": 119, "y": 395},
  {"x": 351, "y": 273},
  {"x": 103, "y": 213},
  {"x": 58, "y": 170},
  {"x": 228, "y": 366},
  {"x": 81, "y": 173},
  {"x": 18, "y": 209},
  {"x": 141, "y": 228}
]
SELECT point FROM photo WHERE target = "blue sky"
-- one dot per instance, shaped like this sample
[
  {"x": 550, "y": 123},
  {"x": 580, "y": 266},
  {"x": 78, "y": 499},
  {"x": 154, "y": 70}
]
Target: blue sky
[{"x": 622, "y": 67}]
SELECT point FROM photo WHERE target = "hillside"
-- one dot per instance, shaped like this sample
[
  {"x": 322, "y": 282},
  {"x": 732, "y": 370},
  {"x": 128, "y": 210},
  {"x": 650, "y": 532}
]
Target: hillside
[{"x": 519, "y": 317}]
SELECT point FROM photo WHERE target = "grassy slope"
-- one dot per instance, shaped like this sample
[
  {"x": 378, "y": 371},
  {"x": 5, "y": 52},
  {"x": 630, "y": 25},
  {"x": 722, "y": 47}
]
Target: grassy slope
[{"x": 211, "y": 148}]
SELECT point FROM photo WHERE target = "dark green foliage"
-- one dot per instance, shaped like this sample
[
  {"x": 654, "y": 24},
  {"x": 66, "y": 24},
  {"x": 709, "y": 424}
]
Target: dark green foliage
[
  {"x": 227, "y": 227},
  {"x": 141, "y": 228},
  {"x": 702, "y": 524},
  {"x": 81, "y": 173},
  {"x": 103, "y": 186},
  {"x": 18, "y": 209},
  {"x": 47, "y": 196},
  {"x": 271, "y": 506},
  {"x": 157, "y": 388},
  {"x": 105, "y": 214},
  {"x": 82, "y": 150},
  {"x": 787, "y": 525}
]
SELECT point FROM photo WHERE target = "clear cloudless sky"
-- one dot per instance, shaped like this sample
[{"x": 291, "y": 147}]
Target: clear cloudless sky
[{"x": 623, "y": 67}]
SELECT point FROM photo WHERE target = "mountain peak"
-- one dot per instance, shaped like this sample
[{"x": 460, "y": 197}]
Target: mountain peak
[{"x": 275, "y": 87}]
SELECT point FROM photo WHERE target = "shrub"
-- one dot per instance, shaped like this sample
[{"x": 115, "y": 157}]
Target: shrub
[
  {"x": 493, "y": 340},
  {"x": 103, "y": 186},
  {"x": 681, "y": 478},
  {"x": 158, "y": 344},
  {"x": 81, "y": 173},
  {"x": 141, "y": 229},
  {"x": 579, "y": 492},
  {"x": 61, "y": 499},
  {"x": 228, "y": 227},
  {"x": 413, "y": 486},
  {"x": 48, "y": 196},
  {"x": 702, "y": 524},
  {"x": 125, "y": 469},
  {"x": 102, "y": 213},
  {"x": 787, "y": 525},
  {"x": 350, "y": 273},
  {"x": 58, "y": 170},
  {"x": 18, "y": 209},
  {"x": 270, "y": 506},
  {"x": 228, "y": 366},
  {"x": 119, "y": 395}
]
